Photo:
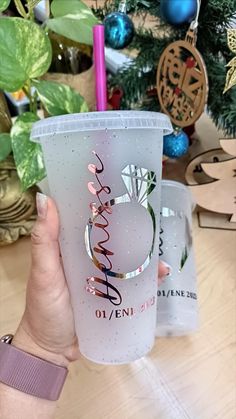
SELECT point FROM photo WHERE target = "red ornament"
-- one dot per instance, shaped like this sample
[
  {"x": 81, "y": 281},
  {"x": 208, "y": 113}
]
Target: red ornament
[
  {"x": 115, "y": 98},
  {"x": 177, "y": 91},
  {"x": 152, "y": 92},
  {"x": 190, "y": 62},
  {"x": 190, "y": 130}
]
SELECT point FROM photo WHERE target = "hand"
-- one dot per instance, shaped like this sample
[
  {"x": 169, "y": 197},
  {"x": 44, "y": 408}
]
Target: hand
[{"x": 47, "y": 327}]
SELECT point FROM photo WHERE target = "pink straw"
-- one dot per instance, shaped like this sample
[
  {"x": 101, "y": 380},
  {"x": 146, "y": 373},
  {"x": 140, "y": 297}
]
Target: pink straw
[{"x": 100, "y": 68}]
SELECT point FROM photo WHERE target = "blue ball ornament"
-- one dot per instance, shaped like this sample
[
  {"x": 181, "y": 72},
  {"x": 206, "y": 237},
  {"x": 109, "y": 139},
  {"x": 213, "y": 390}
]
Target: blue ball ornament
[
  {"x": 119, "y": 30},
  {"x": 176, "y": 144},
  {"x": 177, "y": 12}
]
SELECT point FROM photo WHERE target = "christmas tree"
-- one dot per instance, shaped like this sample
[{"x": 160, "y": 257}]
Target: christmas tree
[{"x": 138, "y": 80}]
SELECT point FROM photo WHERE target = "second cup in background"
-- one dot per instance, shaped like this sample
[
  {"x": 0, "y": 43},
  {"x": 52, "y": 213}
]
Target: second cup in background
[{"x": 177, "y": 311}]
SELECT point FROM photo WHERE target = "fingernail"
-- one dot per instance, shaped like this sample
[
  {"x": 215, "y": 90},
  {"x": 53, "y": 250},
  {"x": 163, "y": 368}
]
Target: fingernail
[
  {"x": 168, "y": 267},
  {"x": 42, "y": 205}
]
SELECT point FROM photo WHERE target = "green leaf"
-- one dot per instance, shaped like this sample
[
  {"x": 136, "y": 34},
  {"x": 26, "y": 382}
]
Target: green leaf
[
  {"x": 25, "y": 52},
  {"x": 5, "y": 145},
  {"x": 28, "y": 155},
  {"x": 58, "y": 98},
  {"x": 74, "y": 7},
  {"x": 72, "y": 19},
  {"x": 4, "y": 4},
  {"x": 184, "y": 257},
  {"x": 73, "y": 27}
]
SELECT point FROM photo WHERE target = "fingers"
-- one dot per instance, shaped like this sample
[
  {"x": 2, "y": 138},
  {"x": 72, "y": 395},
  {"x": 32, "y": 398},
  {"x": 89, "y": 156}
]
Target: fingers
[
  {"x": 163, "y": 270},
  {"x": 48, "y": 217},
  {"x": 45, "y": 247}
]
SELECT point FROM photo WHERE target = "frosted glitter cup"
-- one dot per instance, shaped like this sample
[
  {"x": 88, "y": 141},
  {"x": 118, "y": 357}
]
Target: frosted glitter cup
[
  {"x": 104, "y": 172},
  {"x": 177, "y": 311}
]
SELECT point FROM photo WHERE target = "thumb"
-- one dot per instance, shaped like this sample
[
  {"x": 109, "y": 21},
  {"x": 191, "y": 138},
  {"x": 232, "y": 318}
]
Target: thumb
[{"x": 44, "y": 238}]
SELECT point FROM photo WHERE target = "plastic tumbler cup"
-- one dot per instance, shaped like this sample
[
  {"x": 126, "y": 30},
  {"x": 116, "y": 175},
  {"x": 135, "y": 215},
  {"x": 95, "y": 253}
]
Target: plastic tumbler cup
[
  {"x": 177, "y": 311},
  {"x": 104, "y": 172}
]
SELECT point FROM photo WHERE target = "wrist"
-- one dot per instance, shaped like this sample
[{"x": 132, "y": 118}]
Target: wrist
[
  {"x": 30, "y": 369},
  {"x": 23, "y": 340}
]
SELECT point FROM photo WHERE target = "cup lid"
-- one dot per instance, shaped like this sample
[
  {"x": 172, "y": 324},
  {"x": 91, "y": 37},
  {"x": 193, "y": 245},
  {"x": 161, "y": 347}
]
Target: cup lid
[
  {"x": 174, "y": 184},
  {"x": 98, "y": 121},
  {"x": 179, "y": 185}
]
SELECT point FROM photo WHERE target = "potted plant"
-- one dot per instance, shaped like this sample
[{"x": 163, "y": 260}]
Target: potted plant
[{"x": 26, "y": 56}]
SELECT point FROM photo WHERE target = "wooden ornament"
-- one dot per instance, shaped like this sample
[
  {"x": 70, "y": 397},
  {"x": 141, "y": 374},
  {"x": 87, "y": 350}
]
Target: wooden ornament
[
  {"x": 220, "y": 170},
  {"x": 229, "y": 146},
  {"x": 209, "y": 219},
  {"x": 217, "y": 195},
  {"x": 182, "y": 84},
  {"x": 194, "y": 173}
]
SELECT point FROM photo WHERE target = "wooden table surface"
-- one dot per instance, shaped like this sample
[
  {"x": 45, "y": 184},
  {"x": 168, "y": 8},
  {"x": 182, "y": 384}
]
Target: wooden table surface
[{"x": 182, "y": 378}]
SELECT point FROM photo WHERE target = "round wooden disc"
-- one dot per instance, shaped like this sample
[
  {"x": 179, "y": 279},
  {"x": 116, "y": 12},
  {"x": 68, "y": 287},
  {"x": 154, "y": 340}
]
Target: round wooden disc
[{"x": 182, "y": 84}]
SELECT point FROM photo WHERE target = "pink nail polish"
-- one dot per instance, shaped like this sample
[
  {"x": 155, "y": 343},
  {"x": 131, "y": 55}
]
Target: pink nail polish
[
  {"x": 42, "y": 205},
  {"x": 168, "y": 267}
]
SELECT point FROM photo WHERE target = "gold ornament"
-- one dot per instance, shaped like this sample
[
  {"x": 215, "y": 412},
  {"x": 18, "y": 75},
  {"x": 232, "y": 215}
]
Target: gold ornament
[
  {"x": 182, "y": 84},
  {"x": 231, "y": 74},
  {"x": 17, "y": 208}
]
